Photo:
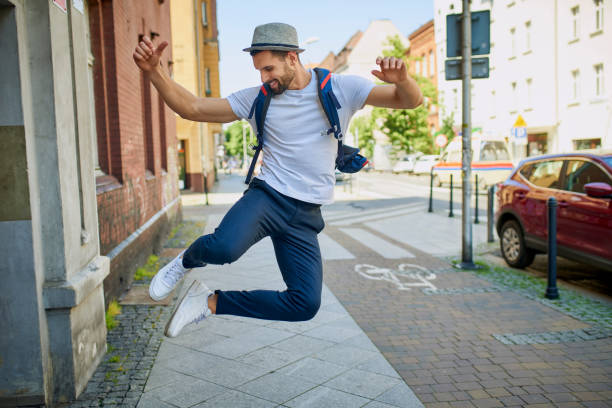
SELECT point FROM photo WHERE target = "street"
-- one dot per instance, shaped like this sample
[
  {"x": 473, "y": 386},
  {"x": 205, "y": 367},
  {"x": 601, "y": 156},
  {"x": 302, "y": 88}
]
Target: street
[{"x": 415, "y": 189}]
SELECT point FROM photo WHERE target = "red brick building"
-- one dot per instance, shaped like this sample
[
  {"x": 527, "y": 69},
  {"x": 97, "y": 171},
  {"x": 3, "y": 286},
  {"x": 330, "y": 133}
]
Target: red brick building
[
  {"x": 136, "y": 180},
  {"x": 423, "y": 62}
]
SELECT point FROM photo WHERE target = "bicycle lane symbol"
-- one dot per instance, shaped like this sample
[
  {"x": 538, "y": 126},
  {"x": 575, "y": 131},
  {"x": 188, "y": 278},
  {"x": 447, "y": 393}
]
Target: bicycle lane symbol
[{"x": 406, "y": 277}]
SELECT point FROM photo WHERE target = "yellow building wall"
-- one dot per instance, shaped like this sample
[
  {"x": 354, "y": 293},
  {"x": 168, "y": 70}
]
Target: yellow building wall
[{"x": 200, "y": 145}]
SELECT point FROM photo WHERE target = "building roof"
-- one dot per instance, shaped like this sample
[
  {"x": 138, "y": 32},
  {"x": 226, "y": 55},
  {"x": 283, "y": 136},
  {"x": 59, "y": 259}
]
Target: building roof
[{"x": 421, "y": 29}]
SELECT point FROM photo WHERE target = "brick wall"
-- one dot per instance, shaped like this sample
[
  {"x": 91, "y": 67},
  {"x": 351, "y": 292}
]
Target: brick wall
[{"x": 141, "y": 179}]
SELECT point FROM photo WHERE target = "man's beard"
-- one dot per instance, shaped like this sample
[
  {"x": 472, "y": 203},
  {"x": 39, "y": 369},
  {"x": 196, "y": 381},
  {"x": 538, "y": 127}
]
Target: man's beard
[{"x": 283, "y": 82}]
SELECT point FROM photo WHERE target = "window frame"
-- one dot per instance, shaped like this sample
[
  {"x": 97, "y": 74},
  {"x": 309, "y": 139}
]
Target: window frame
[
  {"x": 527, "y": 36},
  {"x": 204, "y": 14},
  {"x": 575, "y": 77},
  {"x": 599, "y": 80},
  {"x": 599, "y": 15},
  {"x": 560, "y": 179},
  {"x": 575, "y": 16},
  {"x": 583, "y": 159}
]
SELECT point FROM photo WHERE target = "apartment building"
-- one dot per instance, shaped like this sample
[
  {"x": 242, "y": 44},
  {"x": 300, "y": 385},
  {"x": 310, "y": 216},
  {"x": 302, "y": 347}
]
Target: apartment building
[{"x": 548, "y": 65}]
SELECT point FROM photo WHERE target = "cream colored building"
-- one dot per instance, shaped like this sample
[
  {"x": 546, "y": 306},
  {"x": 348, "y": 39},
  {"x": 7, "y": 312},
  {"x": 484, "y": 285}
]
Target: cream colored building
[{"x": 196, "y": 67}]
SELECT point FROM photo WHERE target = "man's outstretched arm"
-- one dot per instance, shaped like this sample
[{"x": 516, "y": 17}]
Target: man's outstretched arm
[
  {"x": 404, "y": 93},
  {"x": 187, "y": 105}
]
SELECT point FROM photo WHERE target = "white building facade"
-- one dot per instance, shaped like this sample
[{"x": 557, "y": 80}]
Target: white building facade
[{"x": 548, "y": 64}]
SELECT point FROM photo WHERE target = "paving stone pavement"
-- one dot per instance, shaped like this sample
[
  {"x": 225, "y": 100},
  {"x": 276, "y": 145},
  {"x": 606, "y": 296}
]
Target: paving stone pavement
[{"x": 393, "y": 330}]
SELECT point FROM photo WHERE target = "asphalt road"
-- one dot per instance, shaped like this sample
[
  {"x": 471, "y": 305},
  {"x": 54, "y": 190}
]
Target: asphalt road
[{"x": 387, "y": 185}]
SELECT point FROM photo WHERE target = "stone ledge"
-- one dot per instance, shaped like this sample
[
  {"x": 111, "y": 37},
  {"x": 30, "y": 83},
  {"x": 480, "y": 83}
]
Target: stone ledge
[{"x": 70, "y": 293}]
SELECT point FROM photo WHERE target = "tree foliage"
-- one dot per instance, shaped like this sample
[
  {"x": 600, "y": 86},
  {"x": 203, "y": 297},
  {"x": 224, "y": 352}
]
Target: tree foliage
[
  {"x": 407, "y": 129},
  {"x": 363, "y": 126},
  {"x": 447, "y": 127},
  {"x": 233, "y": 139}
]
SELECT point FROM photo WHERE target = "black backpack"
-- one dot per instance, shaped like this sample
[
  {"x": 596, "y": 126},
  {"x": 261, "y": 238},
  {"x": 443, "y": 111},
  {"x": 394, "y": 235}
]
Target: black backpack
[{"x": 348, "y": 159}]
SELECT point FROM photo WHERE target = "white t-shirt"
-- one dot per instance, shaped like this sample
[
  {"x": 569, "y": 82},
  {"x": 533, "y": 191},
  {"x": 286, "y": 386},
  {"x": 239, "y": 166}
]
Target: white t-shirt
[{"x": 298, "y": 161}]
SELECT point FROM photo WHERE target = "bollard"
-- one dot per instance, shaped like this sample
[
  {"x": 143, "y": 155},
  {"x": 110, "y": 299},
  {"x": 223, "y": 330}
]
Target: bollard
[
  {"x": 430, "y": 191},
  {"x": 450, "y": 213},
  {"x": 551, "y": 288},
  {"x": 476, "y": 221},
  {"x": 490, "y": 213},
  {"x": 206, "y": 188}
]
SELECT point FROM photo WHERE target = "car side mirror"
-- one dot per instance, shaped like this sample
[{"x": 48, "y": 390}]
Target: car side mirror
[{"x": 598, "y": 190}]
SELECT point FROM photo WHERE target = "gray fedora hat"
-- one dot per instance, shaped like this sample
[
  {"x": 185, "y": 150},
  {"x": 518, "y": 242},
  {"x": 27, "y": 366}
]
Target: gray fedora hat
[{"x": 275, "y": 37}]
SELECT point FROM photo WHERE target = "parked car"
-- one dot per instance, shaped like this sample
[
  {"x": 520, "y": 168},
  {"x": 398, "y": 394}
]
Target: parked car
[
  {"x": 582, "y": 185},
  {"x": 424, "y": 164},
  {"x": 406, "y": 164}
]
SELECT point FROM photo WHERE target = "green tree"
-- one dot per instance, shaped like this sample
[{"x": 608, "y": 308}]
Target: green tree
[
  {"x": 233, "y": 139},
  {"x": 407, "y": 128},
  {"x": 447, "y": 127},
  {"x": 363, "y": 126}
]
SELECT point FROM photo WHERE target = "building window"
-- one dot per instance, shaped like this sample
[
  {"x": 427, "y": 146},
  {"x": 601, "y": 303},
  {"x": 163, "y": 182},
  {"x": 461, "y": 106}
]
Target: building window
[
  {"x": 575, "y": 85},
  {"x": 514, "y": 99},
  {"x": 431, "y": 63},
  {"x": 598, "y": 15},
  {"x": 575, "y": 23},
  {"x": 162, "y": 132},
  {"x": 147, "y": 124},
  {"x": 599, "y": 80},
  {"x": 529, "y": 84},
  {"x": 513, "y": 42},
  {"x": 528, "y": 36},
  {"x": 420, "y": 67},
  {"x": 207, "y": 81},
  {"x": 204, "y": 15}
]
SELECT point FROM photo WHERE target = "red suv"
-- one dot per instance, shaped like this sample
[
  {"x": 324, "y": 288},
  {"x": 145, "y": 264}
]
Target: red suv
[{"x": 582, "y": 185}]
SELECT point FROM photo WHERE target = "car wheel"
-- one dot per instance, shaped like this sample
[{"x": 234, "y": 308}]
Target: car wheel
[{"x": 513, "y": 247}]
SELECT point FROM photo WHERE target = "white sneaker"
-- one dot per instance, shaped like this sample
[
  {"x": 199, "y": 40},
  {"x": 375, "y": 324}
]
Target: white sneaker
[
  {"x": 192, "y": 308},
  {"x": 166, "y": 279}
]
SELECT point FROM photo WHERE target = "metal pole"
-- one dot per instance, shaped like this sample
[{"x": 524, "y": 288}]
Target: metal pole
[
  {"x": 466, "y": 128},
  {"x": 476, "y": 221},
  {"x": 551, "y": 289},
  {"x": 490, "y": 213},
  {"x": 430, "y": 191},
  {"x": 206, "y": 187},
  {"x": 450, "y": 212}
]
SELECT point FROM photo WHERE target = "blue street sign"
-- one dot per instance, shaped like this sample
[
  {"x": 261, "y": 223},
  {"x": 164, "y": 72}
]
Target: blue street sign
[
  {"x": 481, "y": 34},
  {"x": 453, "y": 69}
]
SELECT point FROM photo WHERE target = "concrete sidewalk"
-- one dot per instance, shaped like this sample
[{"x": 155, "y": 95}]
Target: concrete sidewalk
[{"x": 227, "y": 361}]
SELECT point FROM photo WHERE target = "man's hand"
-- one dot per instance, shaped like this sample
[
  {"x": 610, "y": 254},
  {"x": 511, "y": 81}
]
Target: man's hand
[
  {"x": 147, "y": 55},
  {"x": 392, "y": 70}
]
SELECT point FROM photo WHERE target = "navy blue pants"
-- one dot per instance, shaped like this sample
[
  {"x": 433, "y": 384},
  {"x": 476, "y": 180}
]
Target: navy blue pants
[{"x": 293, "y": 226}]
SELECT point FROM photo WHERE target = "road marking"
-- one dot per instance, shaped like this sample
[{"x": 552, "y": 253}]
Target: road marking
[
  {"x": 357, "y": 220},
  {"x": 406, "y": 277},
  {"x": 355, "y": 213},
  {"x": 379, "y": 245},
  {"x": 331, "y": 250}
]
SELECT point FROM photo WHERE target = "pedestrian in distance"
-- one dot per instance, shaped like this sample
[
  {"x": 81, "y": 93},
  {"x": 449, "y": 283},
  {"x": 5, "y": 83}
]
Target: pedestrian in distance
[{"x": 295, "y": 179}]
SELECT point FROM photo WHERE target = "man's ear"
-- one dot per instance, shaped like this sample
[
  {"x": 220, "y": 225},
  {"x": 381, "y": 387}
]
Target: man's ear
[{"x": 293, "y": 58}]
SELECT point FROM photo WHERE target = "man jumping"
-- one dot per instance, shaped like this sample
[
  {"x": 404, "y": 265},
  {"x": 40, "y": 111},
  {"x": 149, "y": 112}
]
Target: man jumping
[{"x": 296, "y": 177}]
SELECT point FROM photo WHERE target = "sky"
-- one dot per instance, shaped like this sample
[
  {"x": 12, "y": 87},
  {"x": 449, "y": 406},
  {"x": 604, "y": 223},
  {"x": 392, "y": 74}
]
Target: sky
[{"x": 332, "y": 22}]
